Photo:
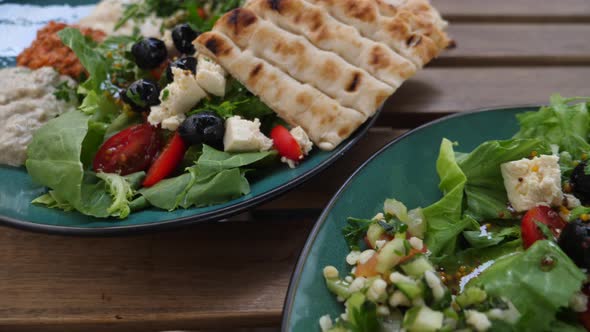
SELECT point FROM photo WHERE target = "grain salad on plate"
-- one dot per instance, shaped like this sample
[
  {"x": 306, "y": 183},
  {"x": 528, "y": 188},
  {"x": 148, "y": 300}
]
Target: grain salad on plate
[{"x": 179, "y": 104}]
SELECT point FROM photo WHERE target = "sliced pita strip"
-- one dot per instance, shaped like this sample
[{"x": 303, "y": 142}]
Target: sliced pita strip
[
  {"x": 351, "y": 86},
  {"x": 420, "y": 8},
  {"x": 405, "y": 32},
  {"x": 326, "y": 122},
  {"x": 327, "y": 33}
]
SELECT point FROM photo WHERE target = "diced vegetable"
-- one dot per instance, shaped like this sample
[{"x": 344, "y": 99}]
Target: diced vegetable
[
  {"x": 423, "y": 319},
  {"x": 417, "y": 266}
]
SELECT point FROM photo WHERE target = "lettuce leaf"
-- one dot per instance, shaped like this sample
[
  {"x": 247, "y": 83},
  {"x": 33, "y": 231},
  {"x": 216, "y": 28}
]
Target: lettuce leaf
[
  {"x": 478, "y": 240},
  {"x": 444, "y": 218},
  {"x": 216, "y": 178},
  {"x": 485, "y": 193},
  {"x": 560, "y": 123},
  {"x": 537, "y": 290},
  {"x": 93, "y": 61}
]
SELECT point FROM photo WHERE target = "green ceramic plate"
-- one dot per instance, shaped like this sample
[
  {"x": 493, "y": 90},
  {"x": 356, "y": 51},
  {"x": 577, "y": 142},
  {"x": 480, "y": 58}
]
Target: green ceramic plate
[
  {"x": 17, "y": 191},
  {"x": 406, "y": 170}
]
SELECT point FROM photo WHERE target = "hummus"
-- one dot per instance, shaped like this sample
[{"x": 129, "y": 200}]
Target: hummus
[
  {"x": 27, "y": 102},
  {"x": 108, "y": 12}
]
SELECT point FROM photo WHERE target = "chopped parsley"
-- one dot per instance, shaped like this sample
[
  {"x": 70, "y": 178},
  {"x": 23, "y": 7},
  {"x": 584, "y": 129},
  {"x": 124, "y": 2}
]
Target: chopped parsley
[
  {"x": 165, "y": 94},
  {"x": 355, "y": 231}
]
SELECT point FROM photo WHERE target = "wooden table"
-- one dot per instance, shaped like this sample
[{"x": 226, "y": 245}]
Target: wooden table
[{"x": 236, "y": 273}]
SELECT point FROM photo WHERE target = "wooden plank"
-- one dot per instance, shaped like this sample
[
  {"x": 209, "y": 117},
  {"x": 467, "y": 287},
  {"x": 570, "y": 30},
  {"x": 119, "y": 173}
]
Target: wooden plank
[
  {"x": 436, "y": 92},
  {"x": 511, "y": 10},
  {"x": 216, "y": 275},
  {"x": 485, "y": 44}
]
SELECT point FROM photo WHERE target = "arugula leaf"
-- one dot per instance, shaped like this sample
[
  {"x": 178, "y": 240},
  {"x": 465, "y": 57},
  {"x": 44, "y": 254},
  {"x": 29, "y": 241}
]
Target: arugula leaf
[
  {"x": 237, "y": 101},
  {"x": 577, "y": 212},
  {"x": 531, "y": 286},
  {"x": 215, "y": 10},
  {"x": 218, "y": 188},
  {"x": 219, "y": 160},
  {"x": 94, "y": 62},
  {"x": 477, "y": 256},
  {"x": 167, "y": 193},
  {"x": 546, "y": 231},
  {"x": 65, "y": 92},
  {"x": 355, "y": 230},
  {"x": 444, "y": 219},
  {"x": 485, "y": 193}
]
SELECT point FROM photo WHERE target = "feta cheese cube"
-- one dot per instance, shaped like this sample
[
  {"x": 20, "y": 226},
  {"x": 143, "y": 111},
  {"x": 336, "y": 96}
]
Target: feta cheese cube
[
  {"x": 176, "y": 99},
  {"x": 244, "y": 136},
  {"x": 532, "y": 182},
  {"x": 211, "y": 76},
  {"x": 301, "y": 137}
]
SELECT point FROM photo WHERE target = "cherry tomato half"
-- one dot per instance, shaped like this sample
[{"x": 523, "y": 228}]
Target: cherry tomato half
[
  {"x": 544, "y": 215},
  {"x": 166, "y": 162},
  {"x": 130, "y": 151},
  {"x": 286, "y": 144}
]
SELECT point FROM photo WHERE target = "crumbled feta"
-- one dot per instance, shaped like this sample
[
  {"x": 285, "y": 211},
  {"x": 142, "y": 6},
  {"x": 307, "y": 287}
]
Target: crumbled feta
[
  {"x": 416, "y": 243},
  {"x": 570, "y": 201},
  {"x": 383, "y": 310},
  {"x": 357, "y": 284},
  {"x": 532, "y": 182},
  {"x": 478, "y": 320},
  {"x": 211, "y": 76},
  {"x": 330, "y": 272},
  {"x": 380, "y": 243},
  {"x": 176, "y": 99},
  {"x": 366, "y": 255},
  {"x": 379, "y": 216},
  {"x": 399, "y": 299},
  {"x": 325, "y": 323},
  {"x": 579, "y": 302},
  {"x": 397, "y": 277},
  {"x": 289, "y": 162},
  {"x": 243, "y": 135},
  {"x": 301, "y": 137},
  {"x": 353, "y": 257},
  {"x": 435, "y": 284},
  {"x": 377, "y": 291},
  {"x": 510, "y": 315}
]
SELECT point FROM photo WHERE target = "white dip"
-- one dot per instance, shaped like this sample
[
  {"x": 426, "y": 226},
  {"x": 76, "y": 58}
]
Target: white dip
[
  {"x": 108, "y": 12},
  {"x": 26, "y": 103}
]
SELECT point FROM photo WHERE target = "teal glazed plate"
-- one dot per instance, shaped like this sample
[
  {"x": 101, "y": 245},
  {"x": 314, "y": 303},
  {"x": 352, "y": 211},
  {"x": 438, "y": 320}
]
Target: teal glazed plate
[
  {"x": 22, "y": 19},
  {"x": 406, "y": 170}
]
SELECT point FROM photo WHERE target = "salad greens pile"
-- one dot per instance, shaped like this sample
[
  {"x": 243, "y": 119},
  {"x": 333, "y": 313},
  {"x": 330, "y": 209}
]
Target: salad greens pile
[
  {"x": 61, "y": 153},
  {"x": 473, "y": 226}
]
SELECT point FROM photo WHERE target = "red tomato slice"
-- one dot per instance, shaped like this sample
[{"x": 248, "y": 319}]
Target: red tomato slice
[
  {"x": 286, "y": 144},
  {"x": 166, "y": 162},
  {"x": 545, "y": 215},
  {"x": 132, "y": 150}
]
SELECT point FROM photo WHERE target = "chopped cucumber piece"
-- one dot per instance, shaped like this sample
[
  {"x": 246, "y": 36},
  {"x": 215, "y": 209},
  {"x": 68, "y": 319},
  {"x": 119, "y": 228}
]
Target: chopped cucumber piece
[
  {"x": 470, "y": 296},
  {"x": 374, "y": 233},
  {"x": 338, "y": 287},
  {"x": 413, "y": 290},
  {"x": 355, "y": 302},
  {"x": 423, "y": 319},
  {"x": 417, "y": 266},
  {"x": 390, "y": 255}
]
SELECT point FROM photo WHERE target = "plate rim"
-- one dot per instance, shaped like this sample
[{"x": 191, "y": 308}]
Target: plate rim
[
  {"x": 212, "y": 216},
  {"x": 298, "y": 269}
]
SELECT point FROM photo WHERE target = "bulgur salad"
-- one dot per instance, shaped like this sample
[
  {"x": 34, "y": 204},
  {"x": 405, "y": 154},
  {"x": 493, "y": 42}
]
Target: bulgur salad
[{"x": 506, "y": 248}]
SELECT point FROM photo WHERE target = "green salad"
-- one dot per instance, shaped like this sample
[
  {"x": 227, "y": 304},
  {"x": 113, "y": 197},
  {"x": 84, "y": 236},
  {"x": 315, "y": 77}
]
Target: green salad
[
  {"x": 506, "y": 248},
  {"x": 158, "y": 125}
]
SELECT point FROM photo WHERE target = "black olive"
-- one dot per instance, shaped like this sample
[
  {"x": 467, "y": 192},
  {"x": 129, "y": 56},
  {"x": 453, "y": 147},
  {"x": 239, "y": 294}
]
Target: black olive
[
  {"x": 149, "y": 53},
  {"x": 142, "y": 94},
  {"x": 575, "y": 242},
  {"x": 185, "y": 63},
  {"x": 203, "y": 128},
  {"x": 183, "y": 36},
  {"x": 580, "y": 183}
]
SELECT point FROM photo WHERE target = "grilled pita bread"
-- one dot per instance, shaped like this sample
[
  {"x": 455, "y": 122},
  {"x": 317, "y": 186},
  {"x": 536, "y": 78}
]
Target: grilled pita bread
[
  {"x": 325, "y": 120},
  {"x": 411, "y": 36},
  {"x": 327, "y": 33},
  {"x": 349, "y": 85},
  {"x": 420, "y": 8}
]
